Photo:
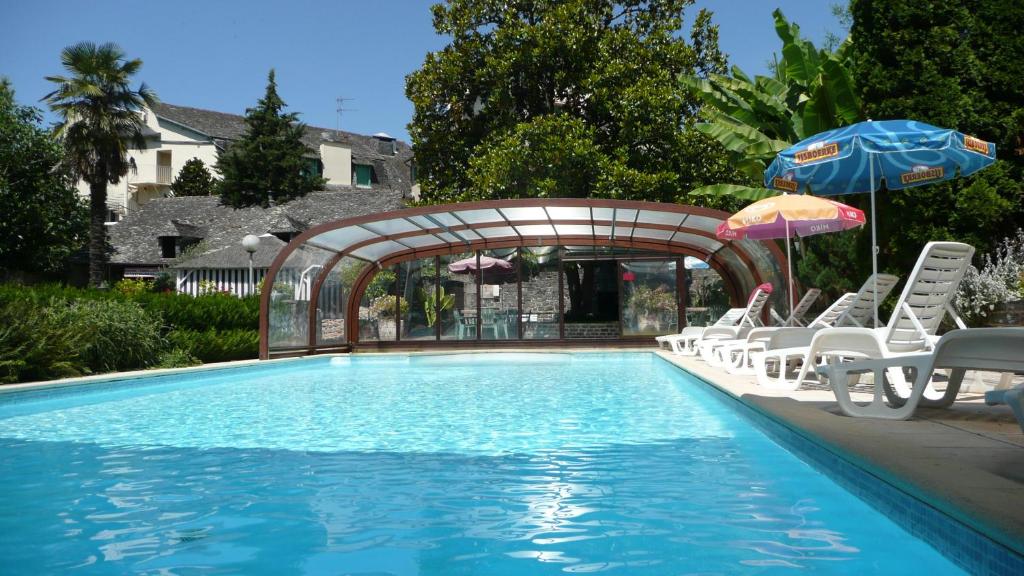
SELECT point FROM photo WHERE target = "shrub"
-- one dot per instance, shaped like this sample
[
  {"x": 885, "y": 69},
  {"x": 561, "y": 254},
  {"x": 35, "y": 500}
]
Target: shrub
[
  {"x": 176, "y": 358},
  {"x": 217, "y": 345},
  {"x": 129, "y": 287},
  {"x": 214, "y": 311},
  {"x": 35, "y": 346},
  {"x": 115, "y": 335},
  {"x": 1000, "y": 280}
]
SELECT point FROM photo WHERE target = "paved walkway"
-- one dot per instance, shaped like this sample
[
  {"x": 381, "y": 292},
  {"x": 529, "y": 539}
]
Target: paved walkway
[{"x": 967, "y": 460}]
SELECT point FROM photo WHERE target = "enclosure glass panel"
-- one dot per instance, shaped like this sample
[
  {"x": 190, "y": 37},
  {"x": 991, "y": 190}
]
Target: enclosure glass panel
[
  {"x": 591, "y": 292},
  {"x": 377, "y": 308},
  {"x": 498, "y": 295},
  {"x": 288, "y": 318},
  {"x": 539, "y": 271},
  {"x": 458, "y": 281},
  {"x": 333, "y": 300},
  {"x": 418, "y": 299},
  {"x": 649, "y": 298},
  {"x": 707, "y": 299}
]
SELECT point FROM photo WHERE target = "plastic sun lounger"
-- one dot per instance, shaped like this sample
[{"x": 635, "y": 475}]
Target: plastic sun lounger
[
  {"x": 734, "y": 355},
  {"x": 680, "y": 343},
  {"x": 988, "y": 349},
  {"x": 858, "y": 313},
  {"x": 686, "y": 342},
  {"x": 926, "y": 299},
  {"x": 751, "y": 319},
  {"x": 796, "y": 317},
  {"x": 710, "y": 349}
]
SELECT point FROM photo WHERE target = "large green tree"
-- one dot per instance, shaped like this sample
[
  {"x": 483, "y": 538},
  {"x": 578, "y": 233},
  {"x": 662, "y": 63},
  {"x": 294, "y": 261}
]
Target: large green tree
[
  {"x": 957, "y": 64},
  {"x": 563, "y": 98},
  {"x": 755, "y": 117},
  {"x": 42, "y": 218},
  {"x": 100, "y": 120},
  {"x": 269, "y": 163}
]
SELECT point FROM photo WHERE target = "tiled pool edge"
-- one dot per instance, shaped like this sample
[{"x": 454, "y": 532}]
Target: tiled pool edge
[{"x": 974, "y": 551}]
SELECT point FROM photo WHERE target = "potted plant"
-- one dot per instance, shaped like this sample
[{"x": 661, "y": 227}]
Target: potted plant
[
  {"x": 648, "y": 305},
  {"x": 383, "y": 309}
]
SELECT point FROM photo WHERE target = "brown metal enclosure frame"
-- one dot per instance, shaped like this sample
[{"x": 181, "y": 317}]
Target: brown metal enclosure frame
[{"x": 425, "y": 234}]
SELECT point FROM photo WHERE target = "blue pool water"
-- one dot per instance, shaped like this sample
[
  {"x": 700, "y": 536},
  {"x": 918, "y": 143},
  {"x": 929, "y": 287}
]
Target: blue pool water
[{"x": 483, "y": 464}]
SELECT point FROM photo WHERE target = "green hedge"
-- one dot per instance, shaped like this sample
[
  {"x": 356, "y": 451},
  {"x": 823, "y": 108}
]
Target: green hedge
[
  {"x": 217, "y": 345},
  {"x": 52, "y": 331}
]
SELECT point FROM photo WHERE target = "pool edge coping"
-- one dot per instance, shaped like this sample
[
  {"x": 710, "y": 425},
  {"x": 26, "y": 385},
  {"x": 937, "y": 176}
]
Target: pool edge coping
[{"x": 985, "y": 528}]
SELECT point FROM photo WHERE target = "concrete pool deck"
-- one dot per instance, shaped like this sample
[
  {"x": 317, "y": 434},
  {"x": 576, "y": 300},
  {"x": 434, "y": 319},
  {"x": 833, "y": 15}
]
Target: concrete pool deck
[{"x": 966, "y": 461}]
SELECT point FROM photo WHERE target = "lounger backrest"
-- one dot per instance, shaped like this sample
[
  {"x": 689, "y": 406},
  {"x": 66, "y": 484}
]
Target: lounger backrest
[
  {"x": 995, "y": 349},
  {"x": 861, "y": 312},
  {"x": 828, "y": 318},
  {"x": 752, "y": 315},
  {"x": 805, "y": 303},
  {"x": 928, "y": 295},
  {"x": 731, "y": 317}
]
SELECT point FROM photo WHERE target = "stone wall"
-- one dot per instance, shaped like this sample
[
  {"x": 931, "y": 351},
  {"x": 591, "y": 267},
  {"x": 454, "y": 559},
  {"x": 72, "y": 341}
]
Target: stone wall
[{"x": 592, "y": 330}]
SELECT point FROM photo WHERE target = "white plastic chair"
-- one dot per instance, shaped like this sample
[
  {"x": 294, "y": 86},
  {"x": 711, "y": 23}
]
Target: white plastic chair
[
  {"x": 988, "y": 349},
  {"x": 734, "y": 355},
  {"x": 926, "y": 299},
  {"x": 681, "y": 343},
  {"x": 711, "y": 350},
  {"x": 796, "y": 317},
  {"x": 751, "y": 319}
]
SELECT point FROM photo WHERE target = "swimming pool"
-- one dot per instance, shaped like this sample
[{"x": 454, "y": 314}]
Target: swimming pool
[{"x": 440, "y": 464}]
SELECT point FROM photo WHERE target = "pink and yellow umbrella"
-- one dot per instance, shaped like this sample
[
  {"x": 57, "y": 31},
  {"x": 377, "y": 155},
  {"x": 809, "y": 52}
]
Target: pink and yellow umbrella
[{"x": 787, "y": 216}]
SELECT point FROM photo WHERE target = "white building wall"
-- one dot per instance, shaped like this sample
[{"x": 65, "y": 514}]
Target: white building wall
[
  {"x": 148, "y": 181},
  {"x": 337, "y": 160}
]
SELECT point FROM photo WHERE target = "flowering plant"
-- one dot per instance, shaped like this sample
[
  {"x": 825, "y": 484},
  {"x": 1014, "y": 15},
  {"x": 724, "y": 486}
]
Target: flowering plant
[{"x": 1000, "y": 280}]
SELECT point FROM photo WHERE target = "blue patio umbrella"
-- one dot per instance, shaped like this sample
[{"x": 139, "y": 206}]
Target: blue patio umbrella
[{"x": 877, "y": 155}]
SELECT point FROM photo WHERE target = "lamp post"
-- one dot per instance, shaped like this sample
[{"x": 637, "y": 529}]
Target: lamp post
[{"x": 251, "y": 243}]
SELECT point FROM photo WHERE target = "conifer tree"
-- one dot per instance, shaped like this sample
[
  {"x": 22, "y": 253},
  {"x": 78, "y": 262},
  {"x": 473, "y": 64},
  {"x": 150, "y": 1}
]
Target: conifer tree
[
  {"x": 193, "y": 180},
  {"x": 268, "y": 164}
]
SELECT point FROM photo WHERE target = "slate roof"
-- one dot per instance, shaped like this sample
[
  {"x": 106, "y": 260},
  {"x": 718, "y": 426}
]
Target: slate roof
[
  {"x": 135, "y": 239},
  {"x": 223, "y": 129}
]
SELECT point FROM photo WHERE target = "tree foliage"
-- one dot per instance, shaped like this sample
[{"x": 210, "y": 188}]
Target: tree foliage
[
  {"x": 100, "y": 120},
  {"x": 269, "y": 163},
  {"x": 42, "y": 219},
  {"x": 956, "y": 64},
  {"x": 193, "y": 180},
  {"x": 755, "y": 118},
  {"x": 563, "y": 98}
]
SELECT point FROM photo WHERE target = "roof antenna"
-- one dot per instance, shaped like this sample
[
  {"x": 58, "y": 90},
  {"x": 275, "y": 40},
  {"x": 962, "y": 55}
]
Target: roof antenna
[{"x": 340, "y": 102}]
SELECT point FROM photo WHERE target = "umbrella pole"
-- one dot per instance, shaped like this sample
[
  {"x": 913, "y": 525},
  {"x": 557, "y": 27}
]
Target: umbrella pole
[
  {"x": 874, "y": 239},
  {"x": 789, "y": 265}
]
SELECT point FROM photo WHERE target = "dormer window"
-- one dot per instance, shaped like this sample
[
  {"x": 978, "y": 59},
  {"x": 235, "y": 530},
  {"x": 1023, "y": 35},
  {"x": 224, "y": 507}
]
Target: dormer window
[{"x": 168, "y": 247}]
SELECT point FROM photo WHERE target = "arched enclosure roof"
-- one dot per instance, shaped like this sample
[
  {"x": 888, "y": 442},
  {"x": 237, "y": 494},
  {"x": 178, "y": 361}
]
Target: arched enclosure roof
[{"x": 387, "y": 238}]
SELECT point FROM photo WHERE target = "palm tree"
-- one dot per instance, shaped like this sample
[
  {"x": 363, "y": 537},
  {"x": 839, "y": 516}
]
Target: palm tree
[{"x": 100, "y": 120}]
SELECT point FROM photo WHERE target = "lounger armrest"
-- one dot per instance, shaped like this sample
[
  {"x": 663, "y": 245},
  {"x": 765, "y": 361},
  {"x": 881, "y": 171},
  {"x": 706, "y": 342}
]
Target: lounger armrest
[{"x": 877, "y": 365}]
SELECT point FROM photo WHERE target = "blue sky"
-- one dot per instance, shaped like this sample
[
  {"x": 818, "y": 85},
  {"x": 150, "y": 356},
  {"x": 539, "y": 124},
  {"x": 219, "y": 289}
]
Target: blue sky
[{"x": 216, "y": 54}]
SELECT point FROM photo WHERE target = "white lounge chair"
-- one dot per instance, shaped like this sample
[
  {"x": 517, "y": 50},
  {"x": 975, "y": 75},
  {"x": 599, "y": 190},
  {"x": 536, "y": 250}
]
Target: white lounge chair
[
  {"x": 709, "y": 348},
  {"x": 686, "y": 342},
  {"x": 988, "y": 349},
  {"x": 736, "y": 357},
  {"x": 680, "y": 342},
  {"x": 926, "y": 299},
  {"x": 796, "y": 317}
]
